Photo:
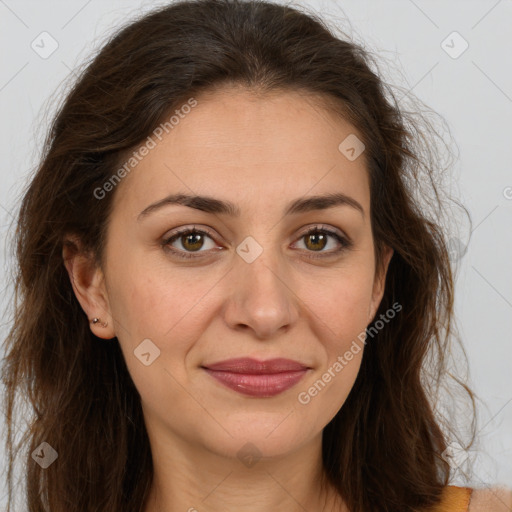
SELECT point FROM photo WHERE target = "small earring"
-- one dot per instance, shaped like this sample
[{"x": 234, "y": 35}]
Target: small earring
[{"x": 96, "y": 320}]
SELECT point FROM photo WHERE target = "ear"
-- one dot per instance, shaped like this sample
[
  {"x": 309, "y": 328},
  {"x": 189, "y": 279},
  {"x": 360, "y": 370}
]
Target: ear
[
  {"x": 379, "y": 283},
  {"x": 88, "y": 283}
]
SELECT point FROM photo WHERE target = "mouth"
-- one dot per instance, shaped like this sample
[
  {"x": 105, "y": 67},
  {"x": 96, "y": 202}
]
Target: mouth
[{"x": 257, "y": 378}]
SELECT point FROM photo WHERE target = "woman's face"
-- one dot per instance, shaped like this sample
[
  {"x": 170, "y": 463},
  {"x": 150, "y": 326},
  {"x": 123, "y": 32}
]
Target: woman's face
[{"x": 255, "y": 285}]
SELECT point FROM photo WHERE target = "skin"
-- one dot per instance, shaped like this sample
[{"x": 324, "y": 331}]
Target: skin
[{"x": 282, "y": 146}]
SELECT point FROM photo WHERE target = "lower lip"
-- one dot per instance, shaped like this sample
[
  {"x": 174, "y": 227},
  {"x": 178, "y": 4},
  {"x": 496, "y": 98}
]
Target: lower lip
[{"x": 260, "y": 385}]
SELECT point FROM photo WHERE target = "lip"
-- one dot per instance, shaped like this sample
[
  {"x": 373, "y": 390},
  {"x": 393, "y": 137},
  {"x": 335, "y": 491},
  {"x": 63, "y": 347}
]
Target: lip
[
  {"x": 257, "y": 378},
  {"x": 249, "y": 365}
]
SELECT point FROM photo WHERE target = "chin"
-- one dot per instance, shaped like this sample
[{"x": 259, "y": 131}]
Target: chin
[{"x": 255, "y": 437}]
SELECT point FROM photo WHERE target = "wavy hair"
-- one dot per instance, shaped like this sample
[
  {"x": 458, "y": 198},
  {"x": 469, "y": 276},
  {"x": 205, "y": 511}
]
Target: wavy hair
[{"x": 384, "y": 448}]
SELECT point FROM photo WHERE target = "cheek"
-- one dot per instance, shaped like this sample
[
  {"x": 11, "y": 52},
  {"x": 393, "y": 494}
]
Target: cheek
[
  {"x": 151, "y": 299},
  {"x": 170, "y": 307},
  {"x": 154, "y": 305},
  {"x": 341, "y": 300},
  {"x": 341, "y": 320},
  {"x": 339, "y": 310}
]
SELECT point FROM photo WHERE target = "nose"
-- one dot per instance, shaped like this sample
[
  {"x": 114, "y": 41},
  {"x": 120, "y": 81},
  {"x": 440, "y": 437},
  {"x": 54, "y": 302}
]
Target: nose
[{"x": 261, "y": 297}]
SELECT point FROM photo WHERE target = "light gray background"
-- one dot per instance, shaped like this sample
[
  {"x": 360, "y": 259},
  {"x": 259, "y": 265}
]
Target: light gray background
[{"x": 472, "y": 92}]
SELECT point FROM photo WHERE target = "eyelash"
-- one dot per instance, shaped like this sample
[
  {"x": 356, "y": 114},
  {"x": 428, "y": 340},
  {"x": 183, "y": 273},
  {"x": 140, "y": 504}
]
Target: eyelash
[{"x": 344, "y": 242}]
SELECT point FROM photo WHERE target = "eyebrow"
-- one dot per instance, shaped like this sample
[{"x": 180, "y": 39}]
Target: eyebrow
[{"x": 217, "y": 206}]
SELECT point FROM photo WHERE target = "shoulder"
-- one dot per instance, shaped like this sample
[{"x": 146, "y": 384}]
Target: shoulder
[{"x": 491, "y": 499}]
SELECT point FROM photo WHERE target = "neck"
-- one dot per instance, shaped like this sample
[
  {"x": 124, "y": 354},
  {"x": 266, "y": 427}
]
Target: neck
[{"x": 194, "y": 479}]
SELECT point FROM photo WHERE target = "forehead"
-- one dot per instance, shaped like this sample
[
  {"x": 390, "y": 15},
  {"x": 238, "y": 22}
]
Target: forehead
[{"x": 237, "y": 144}]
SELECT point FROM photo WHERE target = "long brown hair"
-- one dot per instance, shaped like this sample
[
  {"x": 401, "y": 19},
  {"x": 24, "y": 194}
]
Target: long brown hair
[{"x": 383, "y": 449}]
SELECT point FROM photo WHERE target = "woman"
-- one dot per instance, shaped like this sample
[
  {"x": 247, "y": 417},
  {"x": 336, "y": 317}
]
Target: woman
[{"x": 227, "y": 291}]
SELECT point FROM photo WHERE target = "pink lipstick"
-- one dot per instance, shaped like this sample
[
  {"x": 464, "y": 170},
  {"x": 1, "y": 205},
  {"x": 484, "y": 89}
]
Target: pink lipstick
[{"x": 258, "y": 378}]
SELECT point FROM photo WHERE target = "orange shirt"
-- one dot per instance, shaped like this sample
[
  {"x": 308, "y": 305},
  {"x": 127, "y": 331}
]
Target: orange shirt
[{"x": 454, "y": 499}]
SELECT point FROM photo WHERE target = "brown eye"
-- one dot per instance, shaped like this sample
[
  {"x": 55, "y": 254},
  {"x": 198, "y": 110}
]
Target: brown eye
[
  {"x": 192, "y": 241},
  {"x": 318, "y": 238},
  {"x": 315, "y": 241}
]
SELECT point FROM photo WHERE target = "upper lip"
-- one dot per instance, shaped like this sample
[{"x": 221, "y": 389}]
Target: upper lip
[{"x": 253, "y": 366}]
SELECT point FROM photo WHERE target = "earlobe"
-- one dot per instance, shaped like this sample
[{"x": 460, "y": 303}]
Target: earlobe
[{"x": 88, "y": 283}]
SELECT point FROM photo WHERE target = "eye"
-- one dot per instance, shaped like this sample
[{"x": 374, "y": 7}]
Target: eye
[
  {"x": 316, "y": 239},
  {"x": 190, "y": 239}
]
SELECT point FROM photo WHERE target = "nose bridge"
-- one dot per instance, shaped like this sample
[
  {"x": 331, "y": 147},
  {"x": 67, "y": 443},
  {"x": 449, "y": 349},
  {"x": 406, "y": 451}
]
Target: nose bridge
[{"x": 261, "y": 296}]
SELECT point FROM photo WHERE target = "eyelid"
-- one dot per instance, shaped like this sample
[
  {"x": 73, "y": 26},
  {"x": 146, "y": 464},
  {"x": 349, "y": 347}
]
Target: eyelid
[
  {"x": 322, "y": 227},
  {"x": 188, "y": 229}
]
